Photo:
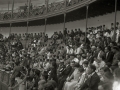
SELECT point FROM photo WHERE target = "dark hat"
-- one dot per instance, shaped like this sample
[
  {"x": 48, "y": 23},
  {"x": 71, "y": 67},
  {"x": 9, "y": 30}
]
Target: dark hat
[{"x": 85, "y": 62}]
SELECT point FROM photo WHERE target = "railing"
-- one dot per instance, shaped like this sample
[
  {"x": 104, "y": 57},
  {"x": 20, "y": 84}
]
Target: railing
[
  {"x": 41, "y": 10},
  {"x": 5, "y": 80}
]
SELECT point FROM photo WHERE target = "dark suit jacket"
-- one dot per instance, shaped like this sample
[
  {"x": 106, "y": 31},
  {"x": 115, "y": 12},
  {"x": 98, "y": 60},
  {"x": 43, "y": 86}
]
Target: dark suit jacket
[
  {"x": 71, "y": 72},
  {"x": 109, "y": 57},
  {"x": 91, "y": 83},
  {"x": 16, "y": 71},
  {"x": 91, "y": 59},
  {"x": 53, "y": 74},
  {"x": 95, "y": 53},
  {"x": 66, "y": 72}
]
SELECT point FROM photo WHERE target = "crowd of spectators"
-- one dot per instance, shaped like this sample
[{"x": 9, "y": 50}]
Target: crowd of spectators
[{"x": 66, "y": 61}]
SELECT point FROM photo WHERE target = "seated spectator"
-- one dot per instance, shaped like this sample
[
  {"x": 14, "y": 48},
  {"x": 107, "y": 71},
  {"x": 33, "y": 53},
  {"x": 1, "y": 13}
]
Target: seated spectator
[
  {"x": 85, "y": 65},
  {"x": 69, "y": 49},
  {"x": 90, "y": 57},
  {"x": 83, "y": 58},
  {"x": 53, "y": 72},
  {"x": 99, "y": 63},
  {"x": 81, "y": 79},
  {"x": 100, "y": 52},
  {"x": 76, "y": 49},
  {"x": 109, "y": 55},
  {"x": 36, "y": 79},
  {"x": 72, "y": 63},
  {"x": 93, "y": 79},
  {"x": 61, "y": 67},
  {"x": 64, "y": 75},
  {"x": 73, "y": 79}
]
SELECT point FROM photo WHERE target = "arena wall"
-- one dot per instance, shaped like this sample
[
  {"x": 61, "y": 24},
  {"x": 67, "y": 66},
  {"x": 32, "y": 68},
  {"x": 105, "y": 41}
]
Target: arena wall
[{"x": 92, "y": 22}]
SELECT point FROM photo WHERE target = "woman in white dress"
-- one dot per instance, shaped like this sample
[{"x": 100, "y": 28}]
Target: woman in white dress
[{"x": 73, "y": 79}]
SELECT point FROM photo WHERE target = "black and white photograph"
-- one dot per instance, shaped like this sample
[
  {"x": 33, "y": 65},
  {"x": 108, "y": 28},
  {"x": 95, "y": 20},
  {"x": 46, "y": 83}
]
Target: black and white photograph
[{"x": 59, "y": 44}]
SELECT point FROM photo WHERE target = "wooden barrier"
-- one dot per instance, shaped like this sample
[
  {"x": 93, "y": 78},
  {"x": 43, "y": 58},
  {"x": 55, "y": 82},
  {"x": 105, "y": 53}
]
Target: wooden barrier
[{"x": 5, "y": 80}]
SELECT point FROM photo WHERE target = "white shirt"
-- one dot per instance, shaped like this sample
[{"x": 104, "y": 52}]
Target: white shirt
[
  {"x": 48, "y": 55},
  {"x": 116, "y": 85},
  {"x": 107, "y": 34},
  {"x": 81, "y": 61},
  {"x": 69, "y": 50},
  {"x": 99, "y": 65},
  {"x": 77, "y": 50}
]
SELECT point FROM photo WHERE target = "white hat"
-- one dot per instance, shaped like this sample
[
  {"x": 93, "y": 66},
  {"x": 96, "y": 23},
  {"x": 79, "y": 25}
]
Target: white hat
[{"x": 76, "y": 60}]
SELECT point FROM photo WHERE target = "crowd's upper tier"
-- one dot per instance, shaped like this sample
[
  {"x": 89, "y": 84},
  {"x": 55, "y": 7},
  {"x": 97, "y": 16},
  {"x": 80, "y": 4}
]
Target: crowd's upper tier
[{"x": 33, "y": 11}]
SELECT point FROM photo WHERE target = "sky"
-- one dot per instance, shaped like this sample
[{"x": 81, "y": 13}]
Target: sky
[{"x": 4, "y": 3}]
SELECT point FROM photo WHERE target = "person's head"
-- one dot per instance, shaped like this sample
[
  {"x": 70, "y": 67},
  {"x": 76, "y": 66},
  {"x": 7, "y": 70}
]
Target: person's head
[
  {"x": 93, "y": 48},
  {"x": 100, "y": 87},
  {"x": 90, "y": 69},
  {"x": 115, "y": 49},
  {"x": 81, "y": 70},
  {"x": 98, "y": 60},
  {"x": 112, "y": 44},
  {"x": 104, "y": 70},
  {"x": 44, "y": 76},
  {"x": 85, "y": 64},
  {"x": 107, "y": 49},
  {"x": 99, "y": 48},
  {"x": 72, "y": 63},
  {"x": 117, "y": 74}
]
